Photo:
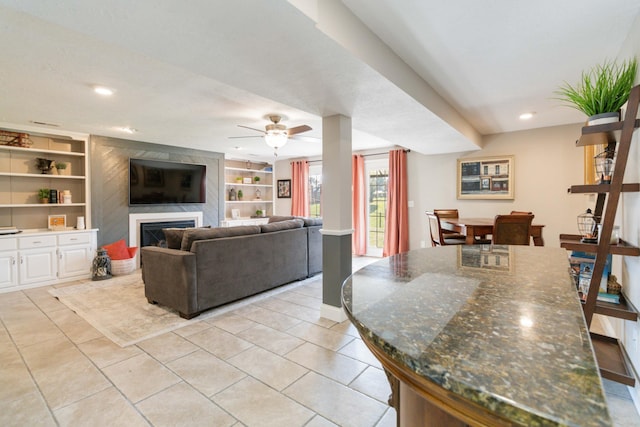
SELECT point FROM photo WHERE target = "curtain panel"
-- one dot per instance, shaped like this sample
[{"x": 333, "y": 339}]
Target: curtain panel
[
  {"x": 359, "y": 203},
  {"x": 396, "y": 236},
  {"x": 300, "y": 188}
]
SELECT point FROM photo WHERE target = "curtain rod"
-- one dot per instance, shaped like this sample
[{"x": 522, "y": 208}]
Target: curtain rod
[{"x": 363, "y": 155}]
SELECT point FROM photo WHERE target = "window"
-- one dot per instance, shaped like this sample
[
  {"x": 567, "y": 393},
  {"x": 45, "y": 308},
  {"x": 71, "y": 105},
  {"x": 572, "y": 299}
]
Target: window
[
  {"x": 315, "y": 190},
  {"x": 377, "y": 179}
]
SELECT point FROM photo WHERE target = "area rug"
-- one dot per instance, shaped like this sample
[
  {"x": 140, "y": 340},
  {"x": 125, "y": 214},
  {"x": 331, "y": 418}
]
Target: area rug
[{"x": 119, "y": 310}]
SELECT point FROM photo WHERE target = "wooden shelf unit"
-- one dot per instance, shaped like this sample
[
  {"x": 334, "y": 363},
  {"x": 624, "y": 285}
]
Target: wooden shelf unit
[{"x": 610, "y": 353}]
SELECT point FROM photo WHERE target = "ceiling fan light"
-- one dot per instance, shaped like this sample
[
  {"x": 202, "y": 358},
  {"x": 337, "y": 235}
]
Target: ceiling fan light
[{"x": 275, "y": 138}]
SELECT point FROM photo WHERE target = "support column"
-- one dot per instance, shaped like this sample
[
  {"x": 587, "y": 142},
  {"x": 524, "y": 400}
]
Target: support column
[{"x": 336, "y": 213}]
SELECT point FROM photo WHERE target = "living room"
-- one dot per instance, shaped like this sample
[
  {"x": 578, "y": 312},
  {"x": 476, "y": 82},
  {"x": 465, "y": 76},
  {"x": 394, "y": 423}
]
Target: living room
[{"x": 546, "y": 160}]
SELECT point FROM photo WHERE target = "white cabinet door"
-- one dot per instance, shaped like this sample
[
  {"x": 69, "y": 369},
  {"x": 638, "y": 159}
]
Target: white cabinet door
[
  {"x": 74, "y": 261},
  {"x": 8, "y": 269},
  {"x": 38, "y": 265}
]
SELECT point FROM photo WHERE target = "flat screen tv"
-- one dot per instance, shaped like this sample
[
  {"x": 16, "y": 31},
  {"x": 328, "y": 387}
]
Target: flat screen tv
[{"x": 154, "y": 182}]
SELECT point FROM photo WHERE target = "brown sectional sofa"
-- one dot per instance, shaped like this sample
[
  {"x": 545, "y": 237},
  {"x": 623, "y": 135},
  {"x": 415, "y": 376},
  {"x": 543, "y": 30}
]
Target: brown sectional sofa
[{"x": 215, "y": 266}]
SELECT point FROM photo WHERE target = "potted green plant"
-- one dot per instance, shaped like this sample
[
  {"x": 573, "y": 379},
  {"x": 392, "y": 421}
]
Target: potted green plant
[
  {"x": 601, "y": 91},
  {"x": 61, "y": 166},
  {"x": 43, "y": 195},
  {"x": 239, "y": 179},
  {"x": 256, "y": 179},
  {"x": 240, "y": 194},
  {"x": 259, "y": 212}
]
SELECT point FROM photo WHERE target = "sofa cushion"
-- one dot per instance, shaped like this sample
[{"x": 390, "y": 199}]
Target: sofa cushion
[
  {"x": 173, "y": 236},
  {"x": 309, "y": 222},
  {"x": 193, "y": 234},
  {"x": 278, "y": 218},
  {"x": 282, "y": 225}
]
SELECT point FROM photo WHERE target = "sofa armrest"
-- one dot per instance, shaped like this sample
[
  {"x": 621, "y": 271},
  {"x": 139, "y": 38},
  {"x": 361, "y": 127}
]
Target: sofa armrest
[{"x": 170, "y": 278}]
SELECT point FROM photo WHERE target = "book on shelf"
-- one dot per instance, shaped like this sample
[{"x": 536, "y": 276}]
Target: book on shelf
[{"x": 612, "y": 298}]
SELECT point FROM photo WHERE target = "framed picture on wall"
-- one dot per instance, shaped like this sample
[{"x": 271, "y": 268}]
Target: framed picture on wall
[
  {"x": 284, "y": 189},
  {"x": 486, "y": 178}
]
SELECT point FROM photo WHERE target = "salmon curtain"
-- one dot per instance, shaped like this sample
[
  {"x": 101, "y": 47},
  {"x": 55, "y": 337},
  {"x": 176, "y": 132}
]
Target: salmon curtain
[
  {"x": 359, "y": 210},
  {"x": 300, "y": 188},
  {"x": 396, "y": 236}
]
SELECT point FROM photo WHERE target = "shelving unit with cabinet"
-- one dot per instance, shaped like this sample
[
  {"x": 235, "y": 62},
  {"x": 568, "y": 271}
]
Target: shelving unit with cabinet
[
  {"x": 240, "y": 176},
  {"x": 20, "y": 179},
  {"x": 610, "y": 353}
]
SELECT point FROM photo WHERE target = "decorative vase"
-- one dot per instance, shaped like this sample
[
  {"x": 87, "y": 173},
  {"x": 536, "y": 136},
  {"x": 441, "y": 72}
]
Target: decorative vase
[{"x": 101, "y": 268}]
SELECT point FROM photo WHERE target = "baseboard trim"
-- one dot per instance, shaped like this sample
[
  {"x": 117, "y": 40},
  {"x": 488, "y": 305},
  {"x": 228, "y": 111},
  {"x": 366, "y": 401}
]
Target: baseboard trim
[{"x": 332, "y": 313}]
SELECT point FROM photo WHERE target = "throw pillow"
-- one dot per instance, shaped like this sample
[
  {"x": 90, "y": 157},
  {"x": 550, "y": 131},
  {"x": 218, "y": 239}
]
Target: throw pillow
[
  {"x": 117, "y": 250},
  {"x": 173, "y": 236},
  {"x": 282, "y": 225}
]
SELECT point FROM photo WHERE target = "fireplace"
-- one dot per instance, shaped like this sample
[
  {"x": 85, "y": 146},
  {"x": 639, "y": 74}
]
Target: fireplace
[
  {"x": 151, "y": 232},
  {"x": 163, "y": 220}
]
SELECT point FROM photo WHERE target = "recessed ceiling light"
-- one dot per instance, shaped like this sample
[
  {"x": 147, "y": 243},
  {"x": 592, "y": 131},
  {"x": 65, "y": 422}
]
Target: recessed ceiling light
[
  {"x": 104, "y": 91},
  {"x": 526, "y": 116},
  {"x": 237, "y": 147},
  {"x": 128, "y": 130}
]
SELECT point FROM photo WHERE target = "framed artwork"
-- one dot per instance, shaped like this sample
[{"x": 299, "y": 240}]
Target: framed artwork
[
  {"x": 284, "y": 189},
  {"x": 153, "y": 177},
  {"x": 485, "y": 178},
  {"x": 57, "y": 222}
]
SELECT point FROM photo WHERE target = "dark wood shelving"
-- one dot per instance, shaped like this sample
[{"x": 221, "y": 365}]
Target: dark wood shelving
[
  {"x": 613, "y": 360},
  {"x": 601, "y": 134},
  {"x": 602, "y": 188},
  {"x": 572, "y": 242},
  {"x": 625, "y": 310}
]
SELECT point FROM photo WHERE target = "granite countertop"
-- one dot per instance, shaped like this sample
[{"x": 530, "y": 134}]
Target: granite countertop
[{"x": 501, "y": 326}]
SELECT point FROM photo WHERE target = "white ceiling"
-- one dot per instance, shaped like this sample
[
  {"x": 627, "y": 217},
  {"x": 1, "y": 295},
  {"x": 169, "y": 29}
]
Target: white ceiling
[{"x": 430, "y": 75}]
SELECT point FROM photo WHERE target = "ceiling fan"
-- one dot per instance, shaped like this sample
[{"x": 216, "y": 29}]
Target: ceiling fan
[{"x": 275, "y": 134}]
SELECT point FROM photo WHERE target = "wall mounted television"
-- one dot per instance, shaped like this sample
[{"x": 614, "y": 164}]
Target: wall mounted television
[{"x": 155, "y": 182}]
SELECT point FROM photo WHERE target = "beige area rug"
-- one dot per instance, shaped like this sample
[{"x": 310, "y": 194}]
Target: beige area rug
[{"x": 119, "y": 310}]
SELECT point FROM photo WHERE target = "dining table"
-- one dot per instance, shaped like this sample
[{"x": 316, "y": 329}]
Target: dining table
[{"x": 480, "y": 227}]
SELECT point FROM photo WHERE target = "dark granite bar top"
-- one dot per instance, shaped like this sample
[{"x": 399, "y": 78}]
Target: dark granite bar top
[{"x": 501, "y": 326}]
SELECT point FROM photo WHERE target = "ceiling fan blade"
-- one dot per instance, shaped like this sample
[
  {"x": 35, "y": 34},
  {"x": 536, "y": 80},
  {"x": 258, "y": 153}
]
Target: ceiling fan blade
[
  {"x": 298, "y": 129},
  {"x": 252, "y": 136},
  {"x": 247, "y": 127}
]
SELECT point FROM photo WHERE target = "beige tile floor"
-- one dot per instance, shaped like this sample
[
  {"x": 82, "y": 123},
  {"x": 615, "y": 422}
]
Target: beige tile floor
[{"x": 274, "y": 362}]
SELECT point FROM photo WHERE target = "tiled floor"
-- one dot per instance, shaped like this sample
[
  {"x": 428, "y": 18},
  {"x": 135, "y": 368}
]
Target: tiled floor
[{"x": 274, "y": 362}]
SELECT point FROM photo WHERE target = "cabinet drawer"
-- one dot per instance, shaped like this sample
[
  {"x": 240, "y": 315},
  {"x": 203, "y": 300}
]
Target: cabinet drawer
[
  {"x": 8, "y": 244},
  {"x": 74, "y": 239},
  {"x": 31, "y": 242}
]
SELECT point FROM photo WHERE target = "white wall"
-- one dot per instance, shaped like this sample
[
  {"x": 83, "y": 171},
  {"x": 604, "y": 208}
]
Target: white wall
[
  {"x": 546, "y": 163},
  {"x": 627, "y": 331}
]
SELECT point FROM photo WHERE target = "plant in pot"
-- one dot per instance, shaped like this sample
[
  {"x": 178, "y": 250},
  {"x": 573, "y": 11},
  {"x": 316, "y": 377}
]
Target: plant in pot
[
  {"x": 259, "y": 212},
  {"x": 43, "y": 195},
  {"x": 61, "y": 167},
  {"x": 256, "y": 179},
  {"x": 240, "y": 194},
  {"x": 239, "y": 179},
  {"x": 601, "y": 91}
]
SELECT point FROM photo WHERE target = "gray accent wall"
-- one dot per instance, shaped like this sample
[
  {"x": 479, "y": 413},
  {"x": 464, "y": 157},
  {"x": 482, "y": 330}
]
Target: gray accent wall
[{"x": 109, "y": 160}]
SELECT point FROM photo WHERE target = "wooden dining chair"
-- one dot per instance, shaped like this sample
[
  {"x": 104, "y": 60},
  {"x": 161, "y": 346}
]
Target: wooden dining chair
[
  {"x": 512, "y": 229},
  {"x": 437, "y": 237},
  {"x": 521, "y": 213},
  {"x": 449, "y": 213}
]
